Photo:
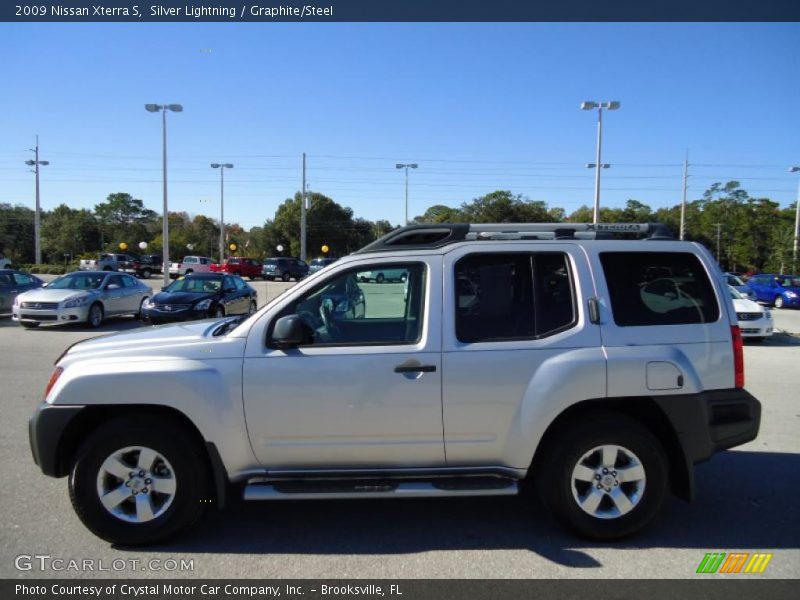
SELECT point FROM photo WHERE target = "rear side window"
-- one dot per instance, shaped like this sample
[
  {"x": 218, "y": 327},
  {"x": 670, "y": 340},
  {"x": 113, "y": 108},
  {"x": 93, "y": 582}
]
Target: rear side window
[
  {"x": 514, "y": 296},
  {"x": 658, "y": 288}
]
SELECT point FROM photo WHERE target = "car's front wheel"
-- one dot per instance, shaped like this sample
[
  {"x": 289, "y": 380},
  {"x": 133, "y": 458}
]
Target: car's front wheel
[
  {"x": 778, "y": 302},
  {"x": 604, "y": 477},
  {"x": 286, "y": 277},
  {"x": 29, "y": 324},
  {"x": 138, "y": 481},
  {"x": 95, "y": 316},
  {"x": 146, "y": 274}
]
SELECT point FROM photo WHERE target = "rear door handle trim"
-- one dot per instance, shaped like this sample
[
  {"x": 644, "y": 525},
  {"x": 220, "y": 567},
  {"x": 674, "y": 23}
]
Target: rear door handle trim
[{"x": 415, "y": 369}]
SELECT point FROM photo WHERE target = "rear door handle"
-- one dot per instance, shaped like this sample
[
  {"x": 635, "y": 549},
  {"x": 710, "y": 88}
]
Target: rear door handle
[{"x": 415, "y": 369}]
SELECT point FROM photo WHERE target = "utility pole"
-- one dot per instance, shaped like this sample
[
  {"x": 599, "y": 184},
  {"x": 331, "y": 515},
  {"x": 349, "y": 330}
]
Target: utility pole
[
  {"x": 796, "y": 223},
  {"x": 683, "y": 202},
  {"x": 37, "y": 215},
  {"x": 303, "y": 225}
]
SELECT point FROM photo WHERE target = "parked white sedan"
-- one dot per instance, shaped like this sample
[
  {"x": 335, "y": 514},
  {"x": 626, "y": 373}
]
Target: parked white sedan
[
  {"x": 755, "y": 321},
  {"x": 82, "y": 297}
]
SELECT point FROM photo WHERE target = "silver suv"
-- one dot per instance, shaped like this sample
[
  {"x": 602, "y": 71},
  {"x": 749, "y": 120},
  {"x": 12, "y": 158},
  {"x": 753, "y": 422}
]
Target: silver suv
[{"x": 596, "y": 368}]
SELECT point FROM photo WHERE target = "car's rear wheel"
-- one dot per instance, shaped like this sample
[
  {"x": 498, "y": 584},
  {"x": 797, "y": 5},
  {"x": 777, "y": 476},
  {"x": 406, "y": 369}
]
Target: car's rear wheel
[
  {"x": 146, "y": 274},
  {"x": 778, "y": 303},
  {"x": 286, "y": 277},
  {"x": 95, "y": 316},
  {"x": 138, "y": 481},
  {"x": 604, "y": 477},
  {"x": 380, "y": 278}
]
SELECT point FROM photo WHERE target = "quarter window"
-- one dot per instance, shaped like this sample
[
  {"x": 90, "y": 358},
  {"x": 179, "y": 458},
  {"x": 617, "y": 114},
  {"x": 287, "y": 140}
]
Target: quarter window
[
  {"x": 512, "y": 296},
  {"x": 658, "y": 288},
  {"x": 354, "y": 309}
]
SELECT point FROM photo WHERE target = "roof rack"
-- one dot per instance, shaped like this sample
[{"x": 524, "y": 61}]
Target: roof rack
[{"x": 426, "y": 236}]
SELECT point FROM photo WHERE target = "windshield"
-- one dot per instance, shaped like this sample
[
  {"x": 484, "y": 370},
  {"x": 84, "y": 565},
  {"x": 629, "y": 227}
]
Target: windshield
[
  {"x": 733, "y": 280},
  {"x": 78, "y": 281},
  {"x": 735, "y": 294},
  {"x": 196, "y": 285}
]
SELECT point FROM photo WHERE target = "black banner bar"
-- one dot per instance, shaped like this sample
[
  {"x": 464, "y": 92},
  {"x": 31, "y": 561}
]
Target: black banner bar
[
  {"x": 705, "y": 587},
  {"x": 398, "y": 10}
]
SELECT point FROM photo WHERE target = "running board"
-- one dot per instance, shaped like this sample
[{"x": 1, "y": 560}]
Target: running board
[{"x": 337, "y": 490}]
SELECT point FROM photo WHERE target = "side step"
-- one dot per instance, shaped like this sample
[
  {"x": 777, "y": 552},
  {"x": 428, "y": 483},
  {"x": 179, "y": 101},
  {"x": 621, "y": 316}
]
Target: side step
[{"x": 343, "y": 489}]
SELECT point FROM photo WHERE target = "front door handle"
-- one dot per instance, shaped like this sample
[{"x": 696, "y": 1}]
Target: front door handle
[{"x": 415, "y": 369}]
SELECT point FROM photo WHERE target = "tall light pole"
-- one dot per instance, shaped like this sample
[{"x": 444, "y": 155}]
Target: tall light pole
[
  {"x": 591, "y": 105},
  {"x": 796, "y": 223},
  {"x": 221, "y": 167},
  {"x": 37, "y": 215},
  {"x": 165, "y": 220},
  {"x": 406, "y": 166}
]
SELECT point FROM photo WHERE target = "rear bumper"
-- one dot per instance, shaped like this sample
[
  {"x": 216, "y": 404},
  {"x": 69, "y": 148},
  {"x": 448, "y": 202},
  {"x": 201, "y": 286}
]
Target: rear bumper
[
  {"x": 45, "y": 432},
  {"x": 712, "y": 421}
]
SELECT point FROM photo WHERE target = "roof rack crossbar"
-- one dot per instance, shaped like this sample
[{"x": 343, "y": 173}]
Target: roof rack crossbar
[{"x": 425, "y": 236}]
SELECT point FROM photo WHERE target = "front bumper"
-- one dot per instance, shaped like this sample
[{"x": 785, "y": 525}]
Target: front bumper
[
  {"x": 46, "y": 432},
  {"x": 791, "y": 302},
  {"x": 54, "y": 316},
  {"x": 756, "y": 328},
  {"x": 155, "y": 315}
]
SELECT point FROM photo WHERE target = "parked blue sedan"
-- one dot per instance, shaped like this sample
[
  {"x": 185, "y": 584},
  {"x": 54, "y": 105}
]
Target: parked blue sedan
[{"x": 780, "y": 291}]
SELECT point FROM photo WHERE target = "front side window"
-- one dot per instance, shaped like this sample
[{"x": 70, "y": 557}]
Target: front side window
[
  {"x": 352, "y": 309},
  {"x": 512, "y": 296},
  {"x": 658, "y": 288},
  {"x": 130, "y": 282},
  {"x": 23, "y": 279}
]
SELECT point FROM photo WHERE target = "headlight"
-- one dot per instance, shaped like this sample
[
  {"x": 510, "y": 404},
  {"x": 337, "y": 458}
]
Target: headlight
[
  {"x": 76, "y": 302},
  {"x": 791, "y": 295},
  {"x": 148, "y": 303},
  {"x": 202, "y": 305}
]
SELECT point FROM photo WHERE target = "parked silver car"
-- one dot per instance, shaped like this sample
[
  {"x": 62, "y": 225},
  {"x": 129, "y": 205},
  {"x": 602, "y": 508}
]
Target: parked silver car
[
  {"x": 13, "y": 283},
  {"x": 81, "y": 297}
]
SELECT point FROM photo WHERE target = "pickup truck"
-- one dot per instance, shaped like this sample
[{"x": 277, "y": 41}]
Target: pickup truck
[
  {"x": 148, "y": 264},
  {"x": 243, "y": 267},
  {"x": 108, "y": 262},
  {"x": 190, "y": 264}
]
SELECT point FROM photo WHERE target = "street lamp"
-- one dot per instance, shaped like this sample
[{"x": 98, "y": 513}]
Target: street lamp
[
  {"x": 221, "y": 167},
  {"x": 796, "y": 223},
  {"x": 406, "y": 166},
  {"x": 37, "y": 215},
  {"x": 165, "y": 220},
  {"x": 591, "y": 105}
]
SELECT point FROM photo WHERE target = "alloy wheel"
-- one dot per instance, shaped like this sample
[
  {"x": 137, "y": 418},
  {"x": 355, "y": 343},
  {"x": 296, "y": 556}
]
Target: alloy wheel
[{"x": 608, "y": 481}]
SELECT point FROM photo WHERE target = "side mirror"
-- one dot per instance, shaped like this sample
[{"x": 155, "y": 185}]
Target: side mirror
[{"x": 291, "y": 331}]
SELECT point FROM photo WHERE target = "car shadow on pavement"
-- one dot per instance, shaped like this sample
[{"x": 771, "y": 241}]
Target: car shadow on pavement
[
  {"x": 110, "y": 325},
  {"x": 744, "y": 500},
  {"x": 781, "y": 340}
]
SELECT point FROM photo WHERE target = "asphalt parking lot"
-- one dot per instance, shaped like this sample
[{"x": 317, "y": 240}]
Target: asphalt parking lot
[{"x": 746, "y": 500}]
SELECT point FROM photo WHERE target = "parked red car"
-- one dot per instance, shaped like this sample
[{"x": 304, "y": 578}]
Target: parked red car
[{"x": 243, "y": 267}]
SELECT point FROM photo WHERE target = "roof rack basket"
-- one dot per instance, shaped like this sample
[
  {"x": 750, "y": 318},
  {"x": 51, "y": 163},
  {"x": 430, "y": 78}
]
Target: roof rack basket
[{"x": 420, "y": 237}]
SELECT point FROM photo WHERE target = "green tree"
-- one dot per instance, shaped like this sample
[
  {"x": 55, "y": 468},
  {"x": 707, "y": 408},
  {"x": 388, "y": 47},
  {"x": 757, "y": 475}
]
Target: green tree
[
  {"x": 16, "y": 233},
  {"x": 124, "y": 218},
  {"x": 67, "y": 230}
]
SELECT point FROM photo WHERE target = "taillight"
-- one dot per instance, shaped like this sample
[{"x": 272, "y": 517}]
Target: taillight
[
  {"x": 738, "y": 356},
  {"x": 53, "y": 378}
]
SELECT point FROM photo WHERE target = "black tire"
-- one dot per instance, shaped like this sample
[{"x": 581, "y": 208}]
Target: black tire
[
  {"x": 269, "y": 278},
  {"x": 380, "y": 278},
  {"x": 106, "y": 268},
  {"x": 188, "y": 271},
  {"x": 29, "y": 325},
  {"x": 286, "y": 277},
  {"x": 146, "y": 274},
  {"x": 140, "y": 314},
  {"x": 570, "y": 444},
  {"x": 166, "y": 437},
  {"x": 90, "y": 321},
  {"x": 778, "y": 302},
  {"x": 219, "y": 312}
]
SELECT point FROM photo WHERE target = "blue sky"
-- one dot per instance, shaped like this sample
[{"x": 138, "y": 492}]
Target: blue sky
[{"x": 479, "y": 106}]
